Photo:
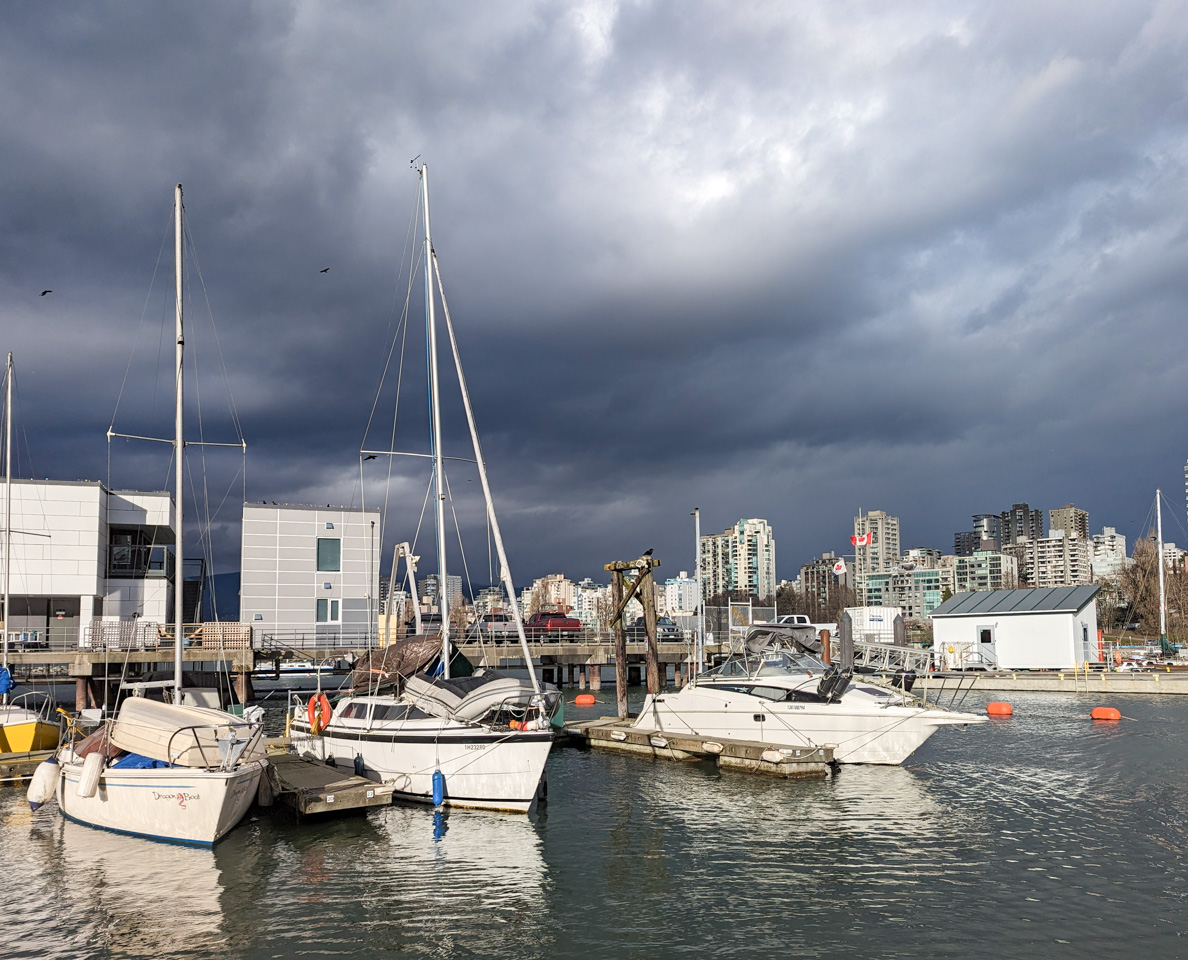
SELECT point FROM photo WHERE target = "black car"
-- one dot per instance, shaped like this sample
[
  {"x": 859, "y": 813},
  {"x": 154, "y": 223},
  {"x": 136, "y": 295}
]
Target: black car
[{"x": 666, "y": 630}]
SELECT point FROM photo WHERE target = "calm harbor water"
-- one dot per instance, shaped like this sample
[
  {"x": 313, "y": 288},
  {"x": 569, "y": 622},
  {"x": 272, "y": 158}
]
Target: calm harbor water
[{"x": 1044, "y": 834}]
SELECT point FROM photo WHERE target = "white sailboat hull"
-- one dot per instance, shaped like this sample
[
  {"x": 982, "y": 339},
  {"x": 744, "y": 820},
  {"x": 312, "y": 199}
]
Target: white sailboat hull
[
  {"x": 859, "y": 732},
  {"x": 176, "y": 804},
  {"x": 483, "y": 769}
]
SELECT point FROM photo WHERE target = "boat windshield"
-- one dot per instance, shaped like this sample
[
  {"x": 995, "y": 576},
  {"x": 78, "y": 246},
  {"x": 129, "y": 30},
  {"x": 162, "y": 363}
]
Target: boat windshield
[{"x": 770, "y": 663}]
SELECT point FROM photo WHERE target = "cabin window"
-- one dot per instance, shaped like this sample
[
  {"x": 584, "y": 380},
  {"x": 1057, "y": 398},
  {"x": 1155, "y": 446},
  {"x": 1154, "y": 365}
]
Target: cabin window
[
  {"x": 329, "y": 554},
  {"x": 356, "y": 709},
  {"x": 327, "y": 611}
]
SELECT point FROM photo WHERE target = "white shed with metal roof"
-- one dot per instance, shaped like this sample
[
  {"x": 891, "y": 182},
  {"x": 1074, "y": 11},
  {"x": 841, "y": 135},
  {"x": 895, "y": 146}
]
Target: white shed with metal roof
[{"x": 1053, "y": 628}]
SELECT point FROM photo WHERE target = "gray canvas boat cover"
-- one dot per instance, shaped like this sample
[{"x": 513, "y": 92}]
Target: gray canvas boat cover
[{"x": 467, "y": 698}]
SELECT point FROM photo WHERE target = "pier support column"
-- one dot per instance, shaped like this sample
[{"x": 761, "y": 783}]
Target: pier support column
[
  {"x": 572, "y": 672},
  {"x": 595, "y": 676},
  {"x": 633, "y": 676},
  {"x": 582, "y": 677},
  {"x": 243, "y": 688},
  {"x": 80, "y": 693},
  {"x": 676, "y": 677}
]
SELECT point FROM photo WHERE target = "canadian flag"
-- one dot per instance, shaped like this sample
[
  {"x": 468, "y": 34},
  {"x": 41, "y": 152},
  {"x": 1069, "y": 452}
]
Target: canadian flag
[
  {"x": 863, "y": 540},
  {"x": 839, "y": 568}
]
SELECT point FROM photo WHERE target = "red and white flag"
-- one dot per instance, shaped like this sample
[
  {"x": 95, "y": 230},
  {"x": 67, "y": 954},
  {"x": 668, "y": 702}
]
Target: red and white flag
[
  {"x": 863, "y": 540},
  {"x": 839, "y": 568}
]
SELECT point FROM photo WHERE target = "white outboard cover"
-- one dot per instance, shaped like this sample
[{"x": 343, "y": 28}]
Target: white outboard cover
[{"x": 467, "y": 698}]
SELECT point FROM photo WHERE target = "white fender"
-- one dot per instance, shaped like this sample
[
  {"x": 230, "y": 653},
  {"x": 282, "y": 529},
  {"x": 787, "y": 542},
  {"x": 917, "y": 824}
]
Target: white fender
[
  {"x": 45, "y": 782},
  {"x": 88, "y": 782}
]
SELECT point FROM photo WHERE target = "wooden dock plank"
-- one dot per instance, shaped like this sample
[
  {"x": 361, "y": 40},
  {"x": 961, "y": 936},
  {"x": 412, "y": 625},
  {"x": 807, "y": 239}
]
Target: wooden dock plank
[
  {"x": 751, "y": 756},
  {"x": 311, "y": 786}
]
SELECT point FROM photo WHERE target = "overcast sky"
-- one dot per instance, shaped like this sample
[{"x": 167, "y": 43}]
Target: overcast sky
[{"x": 766, "y": 259}]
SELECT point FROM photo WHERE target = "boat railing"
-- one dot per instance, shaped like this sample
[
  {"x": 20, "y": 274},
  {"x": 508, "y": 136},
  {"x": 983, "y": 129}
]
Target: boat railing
[
  {"x": 231, "y": 747},
  {"x": 37, "y": 702}
]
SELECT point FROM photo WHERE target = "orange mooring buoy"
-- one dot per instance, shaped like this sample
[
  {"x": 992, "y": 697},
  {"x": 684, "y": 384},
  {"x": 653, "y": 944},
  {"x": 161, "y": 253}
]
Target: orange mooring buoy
[
  {"x": 585, "y": 700},
  {"x": 1106, "y": 713},
  {"x": 998, "y": 709}
]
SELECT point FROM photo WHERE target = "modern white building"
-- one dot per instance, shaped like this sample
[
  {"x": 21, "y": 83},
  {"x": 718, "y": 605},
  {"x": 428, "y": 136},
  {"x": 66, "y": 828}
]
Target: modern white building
[
  {"x": 740, "y": 558},
  {"x": 985, "y": 570},
  {"x": 680, "y": 595},
  {"x": 880, "y": 555},
  {"x": 1109, "y": 553},
  {"x": 916, "y": 591},
  {"x": 81, "y": 552},
  {"x": 309, "y": 571},
  {"x": 1053, "y": 628}
]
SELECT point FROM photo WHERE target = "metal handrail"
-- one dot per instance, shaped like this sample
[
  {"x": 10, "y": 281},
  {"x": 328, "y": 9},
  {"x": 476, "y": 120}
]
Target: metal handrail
[{"x": 256, "y": 732}]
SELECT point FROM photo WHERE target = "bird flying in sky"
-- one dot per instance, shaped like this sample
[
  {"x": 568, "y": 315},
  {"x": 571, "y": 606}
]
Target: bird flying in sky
[{"x": 44, "y": 292}]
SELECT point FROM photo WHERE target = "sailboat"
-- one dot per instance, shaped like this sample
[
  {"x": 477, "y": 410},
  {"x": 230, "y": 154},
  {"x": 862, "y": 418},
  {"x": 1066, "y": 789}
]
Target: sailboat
[
  {"x": 167, "y": 771},
  {"x": 26, "y": 723},
  {"x": 478, "y": 741}
]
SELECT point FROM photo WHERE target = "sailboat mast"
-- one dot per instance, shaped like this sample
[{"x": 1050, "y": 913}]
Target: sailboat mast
[
  {"x": 1159, "y": 560},
  {"x": 7, "y": 507},
  {"x": 443, "y": 600},
  {"x": 178, "y": 447}
]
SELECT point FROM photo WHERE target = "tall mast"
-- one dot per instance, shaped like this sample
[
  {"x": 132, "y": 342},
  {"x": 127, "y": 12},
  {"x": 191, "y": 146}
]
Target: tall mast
[
  {"x": 7, "y": 507},
  {"x": 443, "y": 600},
  {"x": 1159, "y": 560},
  {"x": 178, "y": 447}
]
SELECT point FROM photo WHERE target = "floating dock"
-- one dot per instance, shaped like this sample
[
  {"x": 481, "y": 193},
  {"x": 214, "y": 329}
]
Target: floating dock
[
  {"x": 17, "y": 767},
  {"x": 1165, "y": 682},
  {"x": 311, "y": 786},
  {"x": 749, "y": 756}
]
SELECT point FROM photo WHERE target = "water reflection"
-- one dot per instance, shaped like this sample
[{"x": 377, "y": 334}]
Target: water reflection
[{"x": 78, "y": 892}]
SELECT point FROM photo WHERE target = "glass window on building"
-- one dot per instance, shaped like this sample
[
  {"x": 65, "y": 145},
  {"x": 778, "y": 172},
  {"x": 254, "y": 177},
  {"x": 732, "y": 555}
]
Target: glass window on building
[
  {"x": 329, "y": 555},
  {"x": 327, "y": 611}
]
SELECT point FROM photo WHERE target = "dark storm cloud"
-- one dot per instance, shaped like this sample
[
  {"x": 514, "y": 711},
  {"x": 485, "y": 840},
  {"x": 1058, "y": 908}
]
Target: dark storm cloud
[{"x": 769, "y": 261}]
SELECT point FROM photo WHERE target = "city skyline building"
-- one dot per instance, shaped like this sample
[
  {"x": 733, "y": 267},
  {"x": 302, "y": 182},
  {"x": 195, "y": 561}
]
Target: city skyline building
[
  {"x": 1072, "y": 520},
  {"x": 1053, "y": 561},
  {"x": 1019, "y": 523},
  {"x": 880, "y": 552},
  {"x": 740, "y": 558}
]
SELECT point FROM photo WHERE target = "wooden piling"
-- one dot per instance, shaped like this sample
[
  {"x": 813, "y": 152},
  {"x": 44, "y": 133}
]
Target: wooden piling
[{"x": 621, "y": 674}]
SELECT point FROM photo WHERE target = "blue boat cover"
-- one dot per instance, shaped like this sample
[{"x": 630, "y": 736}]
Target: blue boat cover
[
  {"x": 6, "y": 683},
  {"x": 134, "y": 761}
]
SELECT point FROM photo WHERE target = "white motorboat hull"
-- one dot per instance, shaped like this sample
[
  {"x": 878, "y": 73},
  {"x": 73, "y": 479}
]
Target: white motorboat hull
[
  {"x": 177, "y": 804},
  {"x": 483, "y": 768},
  {"x": 858, "y": 733}
]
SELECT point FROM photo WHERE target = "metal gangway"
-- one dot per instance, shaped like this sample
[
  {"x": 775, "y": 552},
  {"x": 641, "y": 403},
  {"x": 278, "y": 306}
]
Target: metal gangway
[{"x": 890, "y": 658}]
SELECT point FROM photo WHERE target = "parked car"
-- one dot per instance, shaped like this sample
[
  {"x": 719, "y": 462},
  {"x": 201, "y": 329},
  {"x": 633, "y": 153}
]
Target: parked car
[
  {"x": 552, "y": 625},
  {"x": 666, "y": 630},
  {"x": 495, "y": 627}
]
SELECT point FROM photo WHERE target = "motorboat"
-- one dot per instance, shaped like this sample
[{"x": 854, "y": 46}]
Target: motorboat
[{"x": 779, "y": 690}]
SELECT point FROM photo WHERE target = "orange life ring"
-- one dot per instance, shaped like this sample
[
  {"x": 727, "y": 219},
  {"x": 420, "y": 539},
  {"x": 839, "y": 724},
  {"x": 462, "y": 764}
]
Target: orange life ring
[{"x": 319, "y": 713}]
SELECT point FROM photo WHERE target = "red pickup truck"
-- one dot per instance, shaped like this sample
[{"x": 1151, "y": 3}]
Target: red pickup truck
[{"x": 552, "y": 625}]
